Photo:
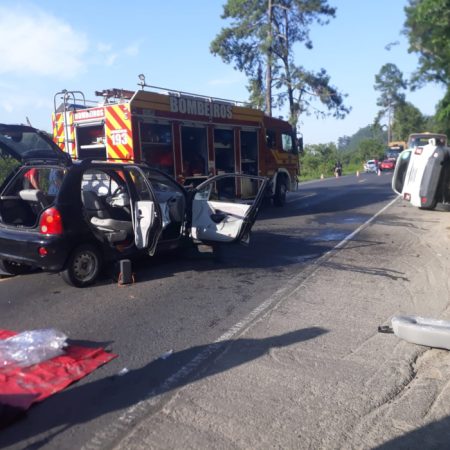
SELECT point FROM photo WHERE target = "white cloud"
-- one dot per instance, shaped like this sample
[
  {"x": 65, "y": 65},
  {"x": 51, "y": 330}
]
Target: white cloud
[
  {"x": 7, "y": 106},
  {"x": 36, "y": 43},
  {"x": 109, "y": 57},
  {"x": 132, "y": 50}
]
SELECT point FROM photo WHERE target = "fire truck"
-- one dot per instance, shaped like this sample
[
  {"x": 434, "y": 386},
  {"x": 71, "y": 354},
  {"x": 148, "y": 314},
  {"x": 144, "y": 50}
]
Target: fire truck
[{"x": 188, "y": 136}]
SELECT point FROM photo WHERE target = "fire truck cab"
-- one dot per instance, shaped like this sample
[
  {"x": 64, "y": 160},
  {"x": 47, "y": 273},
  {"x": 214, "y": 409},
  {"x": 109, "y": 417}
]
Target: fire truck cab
[{"x": 190, "y": 137}]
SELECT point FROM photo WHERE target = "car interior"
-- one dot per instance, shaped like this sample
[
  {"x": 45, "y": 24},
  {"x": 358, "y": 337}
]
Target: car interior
[
  {"x": 106, "y": 203},
  {"x": 27, "y": 196}
]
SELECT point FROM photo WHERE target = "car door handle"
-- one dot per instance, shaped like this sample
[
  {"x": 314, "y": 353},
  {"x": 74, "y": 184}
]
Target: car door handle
[{"x": 218, "y": 216}]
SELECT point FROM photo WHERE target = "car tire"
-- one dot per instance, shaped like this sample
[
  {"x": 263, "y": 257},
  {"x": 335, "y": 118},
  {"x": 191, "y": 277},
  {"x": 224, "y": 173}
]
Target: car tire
[
  {"x": 83, "y": 266},
  {"x": 279, "y": 198},
  {"x": 13, "y": 268}
]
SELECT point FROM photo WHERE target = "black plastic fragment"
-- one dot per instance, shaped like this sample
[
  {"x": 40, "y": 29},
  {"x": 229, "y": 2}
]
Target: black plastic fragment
[{"x": 385, "y": 329}]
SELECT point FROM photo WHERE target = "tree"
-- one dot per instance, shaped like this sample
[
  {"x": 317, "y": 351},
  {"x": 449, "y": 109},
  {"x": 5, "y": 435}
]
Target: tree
[
  {"x": 259, "y": 42},
  {"x": 428, "y": 30},
  {"x": 407, "y": 119},
  {"x": 442, "y": 118},
  {"x": 369, "y": 149},
  {"x": 318, "y": 159},
  {"x": 390, "y": 83}
]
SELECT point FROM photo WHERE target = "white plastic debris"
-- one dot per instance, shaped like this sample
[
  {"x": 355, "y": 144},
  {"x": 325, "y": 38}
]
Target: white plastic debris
[
  {"x": 165, "y": 355},
  {"x": 422, "y": 331},
  {"x": 124, "y": 371},
  {"x": 31, "y": 347}
]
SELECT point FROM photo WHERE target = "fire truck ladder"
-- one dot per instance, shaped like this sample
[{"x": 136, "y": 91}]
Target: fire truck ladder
[
  {"x": 71, "y": 100},
  {"x": 178, "y": 93}
]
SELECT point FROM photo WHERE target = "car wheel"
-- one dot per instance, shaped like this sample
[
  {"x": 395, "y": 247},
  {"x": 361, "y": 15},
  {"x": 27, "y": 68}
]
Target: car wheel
[
  {"x": 280, "y": 193},
  {"x": 13, "y": 268},
  {"x": 83, "y": 266}
]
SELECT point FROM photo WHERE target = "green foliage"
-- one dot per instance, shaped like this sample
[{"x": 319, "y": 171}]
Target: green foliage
[
  {"x": 390, "y": 83},
  {"x": 351, "y": 144},
  {"x": 6, "y": 167},
  {"x": 369, "y": 149},
  {"x": 259, "y": 41},
  {"x": 318, "y": 159},
  {"x": 407, "y": 119},
  {"x": 368, "y": 143},
  {"x": 428, "y": 30},
  {"x": 442, "y": 119}
]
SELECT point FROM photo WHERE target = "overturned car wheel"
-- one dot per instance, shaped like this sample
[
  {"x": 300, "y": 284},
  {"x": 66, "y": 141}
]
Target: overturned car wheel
[
  {"x": 83, "y": 266},
  {"x": 13, "y": 268}
]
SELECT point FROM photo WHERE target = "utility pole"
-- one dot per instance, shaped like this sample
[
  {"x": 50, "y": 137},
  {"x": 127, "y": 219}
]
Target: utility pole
[
  {"x": 269, "y": 61},
  {"x": 389, "y": 123}
]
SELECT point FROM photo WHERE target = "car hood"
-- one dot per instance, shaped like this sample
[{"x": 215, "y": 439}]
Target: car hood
[{"x": 26, "y": 143}]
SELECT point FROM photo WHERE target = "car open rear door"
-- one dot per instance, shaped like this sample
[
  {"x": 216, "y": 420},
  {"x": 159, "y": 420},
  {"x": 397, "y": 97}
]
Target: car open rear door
[
  {"x": 224, "y": 208},
  {"x": 145, "y": 212}
]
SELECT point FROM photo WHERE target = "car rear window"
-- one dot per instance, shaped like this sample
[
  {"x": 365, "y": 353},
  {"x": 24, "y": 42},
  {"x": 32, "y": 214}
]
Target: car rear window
[{"x": 45, "y": 179}]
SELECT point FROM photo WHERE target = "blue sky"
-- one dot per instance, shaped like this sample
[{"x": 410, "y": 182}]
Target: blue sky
[{"x": 47, "y": 46}]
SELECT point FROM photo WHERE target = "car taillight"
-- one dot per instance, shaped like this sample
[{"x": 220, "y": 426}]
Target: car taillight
[{"x": 51, "y": 222}]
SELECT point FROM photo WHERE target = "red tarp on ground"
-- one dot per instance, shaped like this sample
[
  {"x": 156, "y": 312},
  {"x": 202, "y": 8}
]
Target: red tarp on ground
[{"x": 20, "y": 387}]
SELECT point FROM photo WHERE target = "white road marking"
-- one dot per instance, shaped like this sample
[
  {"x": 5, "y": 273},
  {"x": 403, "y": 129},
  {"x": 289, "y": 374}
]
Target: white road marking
[
  {"x": 297, "y": 198},
  {"x": 139, "y": 410}
]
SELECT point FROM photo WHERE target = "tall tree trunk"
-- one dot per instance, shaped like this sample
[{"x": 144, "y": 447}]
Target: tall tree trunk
[
  {"x": 269, "y": 61},
  {"x": 293, "y": 113}
]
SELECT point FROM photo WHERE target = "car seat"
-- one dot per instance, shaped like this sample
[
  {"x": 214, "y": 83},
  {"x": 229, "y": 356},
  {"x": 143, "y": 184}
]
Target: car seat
[
  {"x": 35, "y": 196},
  {"x": 99, "y": 216}
]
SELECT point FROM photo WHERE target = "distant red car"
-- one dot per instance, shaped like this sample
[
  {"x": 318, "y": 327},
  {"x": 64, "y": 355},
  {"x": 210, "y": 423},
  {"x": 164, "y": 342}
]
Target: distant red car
[{"x": 387, "y": 164}]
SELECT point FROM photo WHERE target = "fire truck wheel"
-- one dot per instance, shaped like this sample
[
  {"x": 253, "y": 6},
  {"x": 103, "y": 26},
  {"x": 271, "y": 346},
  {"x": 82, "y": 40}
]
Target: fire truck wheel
[
  {"x": 83, "y": 266},
  {"x": 280, "y": 193},
  {"x": 13, "y": 268}
]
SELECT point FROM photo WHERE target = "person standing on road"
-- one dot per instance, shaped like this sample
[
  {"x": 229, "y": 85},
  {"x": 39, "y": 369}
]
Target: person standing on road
[{"x": 338, "y": 169}]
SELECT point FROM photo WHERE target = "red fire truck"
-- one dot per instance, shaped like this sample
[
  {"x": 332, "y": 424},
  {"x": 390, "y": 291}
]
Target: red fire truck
[{"x": 187, "y": 136}]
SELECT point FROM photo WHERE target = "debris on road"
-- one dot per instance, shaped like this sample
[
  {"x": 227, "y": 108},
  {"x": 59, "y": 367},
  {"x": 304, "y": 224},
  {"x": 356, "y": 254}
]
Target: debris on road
[
  {"x": 422, "y": 331},
  {"x": 20, "y": 387},
  {"x": 31, "y": 347},
  {"x": 165, "y": 355}
]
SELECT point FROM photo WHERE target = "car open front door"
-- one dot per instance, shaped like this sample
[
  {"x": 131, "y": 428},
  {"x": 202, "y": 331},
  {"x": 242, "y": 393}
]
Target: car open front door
[
  {"x": 145, "y": 212},
  {"x": 224, "y": 208}
]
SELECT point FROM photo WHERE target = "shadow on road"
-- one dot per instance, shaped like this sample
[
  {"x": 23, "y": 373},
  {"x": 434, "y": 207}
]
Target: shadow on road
[
  {"x": 435, "y": 435},
  {"x": 84, "y": 402}
]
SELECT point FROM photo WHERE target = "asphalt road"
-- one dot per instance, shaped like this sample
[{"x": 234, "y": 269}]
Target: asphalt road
[{"x": 177, "y": 304}]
